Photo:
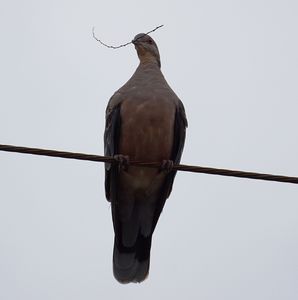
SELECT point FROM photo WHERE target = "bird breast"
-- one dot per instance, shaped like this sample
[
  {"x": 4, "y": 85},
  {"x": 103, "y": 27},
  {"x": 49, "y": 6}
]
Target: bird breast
[{"x": 147, "y": 132}]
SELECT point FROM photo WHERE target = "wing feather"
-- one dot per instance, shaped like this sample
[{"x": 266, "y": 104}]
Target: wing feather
[
  {"x": 178, "y": 145},
  {"x": 111, "y": 141}
]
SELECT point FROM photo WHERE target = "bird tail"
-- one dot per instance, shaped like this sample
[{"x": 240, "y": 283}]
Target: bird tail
[
  {"x": 133, "y": 227},
  {"x": 131, "y": 264}
]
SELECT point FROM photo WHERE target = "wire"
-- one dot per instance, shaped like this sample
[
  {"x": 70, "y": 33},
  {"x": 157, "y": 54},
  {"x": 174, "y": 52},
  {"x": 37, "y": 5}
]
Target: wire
[{"x": 185, "y": 168}]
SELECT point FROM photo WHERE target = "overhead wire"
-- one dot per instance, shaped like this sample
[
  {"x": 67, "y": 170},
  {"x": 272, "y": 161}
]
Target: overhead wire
[{"x": 178, "y": 167}]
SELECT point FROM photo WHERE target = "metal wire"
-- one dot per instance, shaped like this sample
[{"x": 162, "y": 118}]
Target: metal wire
[{"x": 185, "y": 168}]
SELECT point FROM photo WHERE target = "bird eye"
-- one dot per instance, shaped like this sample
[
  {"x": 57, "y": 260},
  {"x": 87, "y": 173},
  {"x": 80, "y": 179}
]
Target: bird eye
[{"x": 150, "y": 42}]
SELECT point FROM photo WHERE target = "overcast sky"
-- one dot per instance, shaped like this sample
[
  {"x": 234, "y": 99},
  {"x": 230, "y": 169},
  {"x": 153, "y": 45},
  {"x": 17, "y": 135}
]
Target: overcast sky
[{"x": 234, "y": 64}]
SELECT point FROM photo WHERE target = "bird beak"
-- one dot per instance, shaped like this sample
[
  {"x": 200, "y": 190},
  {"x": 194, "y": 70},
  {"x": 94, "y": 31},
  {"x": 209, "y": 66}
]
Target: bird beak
[{"x": 135, "y": 42}]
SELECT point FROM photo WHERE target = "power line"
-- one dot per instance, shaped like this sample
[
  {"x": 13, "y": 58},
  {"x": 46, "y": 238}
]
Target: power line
[{"x": 186, "y": 168}]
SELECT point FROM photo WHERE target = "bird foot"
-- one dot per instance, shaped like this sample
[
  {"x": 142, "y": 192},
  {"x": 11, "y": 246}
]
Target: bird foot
[
  {"x": 123, "y": 161},
  {"x": 167, "y": 166}
]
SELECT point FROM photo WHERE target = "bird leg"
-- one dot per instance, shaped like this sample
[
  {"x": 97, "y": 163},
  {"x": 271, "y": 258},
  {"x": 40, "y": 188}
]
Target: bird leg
[
  {"x": 123, "y": 161},
  {"x": 167, "y": 166}
]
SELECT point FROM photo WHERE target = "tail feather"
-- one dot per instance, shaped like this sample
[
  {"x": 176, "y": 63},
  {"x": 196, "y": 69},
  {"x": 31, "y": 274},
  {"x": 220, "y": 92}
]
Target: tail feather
[{"x": 132, "y": 264}]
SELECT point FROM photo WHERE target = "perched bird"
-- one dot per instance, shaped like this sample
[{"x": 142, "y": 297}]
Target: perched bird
[{"x": 145, "y": 121}]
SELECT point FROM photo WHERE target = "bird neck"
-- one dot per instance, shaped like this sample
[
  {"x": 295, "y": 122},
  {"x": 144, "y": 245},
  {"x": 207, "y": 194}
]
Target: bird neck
[{"x": 148, "y": 59}]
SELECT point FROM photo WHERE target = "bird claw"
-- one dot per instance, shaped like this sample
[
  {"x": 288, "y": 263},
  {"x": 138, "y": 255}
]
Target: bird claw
[
  {"x": 123, "y": 161},
  {"x": 167, "y": 166}
]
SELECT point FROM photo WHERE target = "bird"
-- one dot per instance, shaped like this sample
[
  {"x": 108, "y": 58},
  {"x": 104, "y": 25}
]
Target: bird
[{"x": 145, "y": 121}]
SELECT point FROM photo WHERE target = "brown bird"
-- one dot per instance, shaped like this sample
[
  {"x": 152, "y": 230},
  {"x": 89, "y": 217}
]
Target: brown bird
[{"x": 145, "y": 121}]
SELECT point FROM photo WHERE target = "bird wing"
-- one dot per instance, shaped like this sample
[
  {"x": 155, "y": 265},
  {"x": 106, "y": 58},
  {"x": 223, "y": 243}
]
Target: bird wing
[
  {"x": 178, "y": 145},
  {"x": 111, "y": 137}
]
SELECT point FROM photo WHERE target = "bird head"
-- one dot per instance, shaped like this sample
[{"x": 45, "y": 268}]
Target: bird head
[{"x": 146, "y": 48}]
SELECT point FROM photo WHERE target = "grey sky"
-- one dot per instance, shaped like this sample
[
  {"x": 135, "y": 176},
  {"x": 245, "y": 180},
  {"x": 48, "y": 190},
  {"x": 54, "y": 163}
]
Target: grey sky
[{"x": 234, "y": 64}]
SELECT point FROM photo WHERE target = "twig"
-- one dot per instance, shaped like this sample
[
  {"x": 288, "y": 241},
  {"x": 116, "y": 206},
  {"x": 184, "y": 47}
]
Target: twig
[{"x": 123, "y": 45}]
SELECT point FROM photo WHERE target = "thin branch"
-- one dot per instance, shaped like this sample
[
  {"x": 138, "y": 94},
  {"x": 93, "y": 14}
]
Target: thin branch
[
  {"x": 186, "y": 168},
  {"x": 123, "y": 45}
]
